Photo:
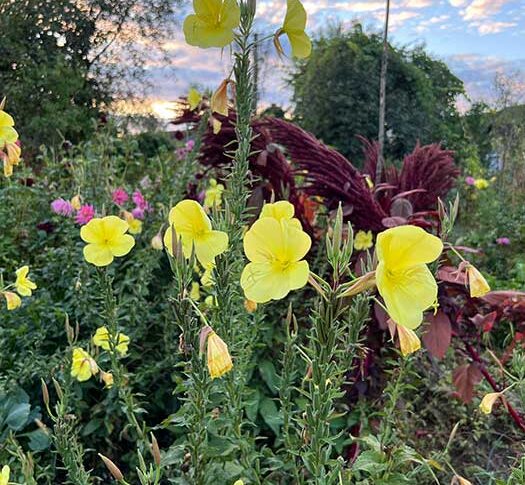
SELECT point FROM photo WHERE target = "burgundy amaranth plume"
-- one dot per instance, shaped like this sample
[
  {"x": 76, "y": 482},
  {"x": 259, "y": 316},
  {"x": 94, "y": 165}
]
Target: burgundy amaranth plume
[{"x": 284, "y": 153}]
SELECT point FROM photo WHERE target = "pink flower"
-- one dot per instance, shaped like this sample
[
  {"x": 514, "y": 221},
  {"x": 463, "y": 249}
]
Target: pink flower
[
  {"x": 120, "y": 196},
  {"x": 190, "y": 144},
  {"x": 470, "y": 180},
  {"x": 85, "y": 214},
  {"x": 62, "y": 207},
  {"x": 139, "y": 200},
  {"x": 503, "y": 241},
  {"x": 138, "y": 213}
]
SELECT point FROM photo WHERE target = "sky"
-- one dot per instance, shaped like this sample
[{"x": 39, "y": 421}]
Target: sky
[{"x": 476, "y": 38}]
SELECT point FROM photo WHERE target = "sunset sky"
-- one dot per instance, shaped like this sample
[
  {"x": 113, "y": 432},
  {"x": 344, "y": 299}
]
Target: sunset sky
[{"x": 477, "y": 38}]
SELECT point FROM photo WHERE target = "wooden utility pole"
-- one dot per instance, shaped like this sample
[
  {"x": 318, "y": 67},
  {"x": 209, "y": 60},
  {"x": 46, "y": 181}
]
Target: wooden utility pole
[{"x": 382, "y": 99}]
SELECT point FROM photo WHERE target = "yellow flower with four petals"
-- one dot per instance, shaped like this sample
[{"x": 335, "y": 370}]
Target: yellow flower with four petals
[
  {"x": 24, "y": 286},
  {"x": 107, "y": 239},
  {"x": 294, "y": 27},
  {"x": 83, "y": 366},
  {"x": 101, "y": 339}
]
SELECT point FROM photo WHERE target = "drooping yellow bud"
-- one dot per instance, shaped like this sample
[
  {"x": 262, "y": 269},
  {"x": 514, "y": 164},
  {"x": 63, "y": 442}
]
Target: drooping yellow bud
[
  {"x": 477, "y": 283},
  {"x": 408, "y": 340},
  {"x": 219, "y": 359},
  {"x": 107, "y": 378},
  {"x": 488, "y": 402},
  {"x": 156, "y": 242},
  {"x": 219, "y": 99},
  {"x": 75, "y": 202}
]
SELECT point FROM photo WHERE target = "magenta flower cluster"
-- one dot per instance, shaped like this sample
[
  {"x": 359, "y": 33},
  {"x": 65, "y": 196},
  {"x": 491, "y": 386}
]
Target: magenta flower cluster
[
  {"x": 120, "y": 197},
  {"x": 63, "y": 207}
]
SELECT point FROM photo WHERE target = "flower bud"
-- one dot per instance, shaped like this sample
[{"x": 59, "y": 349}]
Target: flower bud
[
  {"x": 250, "y": 306},
  {"x": 13, "y": 301},
  {"x": 113, "y": 469},
  {"x": 477, "y": 283},
  {"x": 218, "y": 356},
  {"x": 155, "y": 450},
  {"x": 408, "y": 340},
  {"x": 156, "y": 242}
]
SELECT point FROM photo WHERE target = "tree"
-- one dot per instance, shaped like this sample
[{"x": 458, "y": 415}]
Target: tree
[
  {"x": 336, "y": 94},
  {"x": 63, "y": 61}
]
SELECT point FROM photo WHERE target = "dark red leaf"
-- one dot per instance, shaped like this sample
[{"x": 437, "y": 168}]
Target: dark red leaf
[
  {"x": 438, "y": 334},
  {"x": 499, "y": 297},
  {"x": 393, "y": 221},
  {"x": 465, "y": 378},
  {"x": 381, "y": 316},
  {"x": 451, "y": 274},
  {"x": 486, "y": 322}
]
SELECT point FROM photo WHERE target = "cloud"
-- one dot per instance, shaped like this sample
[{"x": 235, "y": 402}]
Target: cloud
[
  {"x": 494, "y": 27},
  {"x": 425, "y": 24},
  {"x": 458, "y": 3},
  {"x": 479, "y": 9}
]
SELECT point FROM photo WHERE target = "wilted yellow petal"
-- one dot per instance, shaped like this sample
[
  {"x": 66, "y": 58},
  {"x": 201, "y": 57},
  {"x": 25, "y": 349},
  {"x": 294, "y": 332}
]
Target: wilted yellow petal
[
  {"x": 477, "y": 283},
  {"x": 408, "y": 340},
  {"x": 488, "y": 402},
  {"x": 219, "y": 359}
]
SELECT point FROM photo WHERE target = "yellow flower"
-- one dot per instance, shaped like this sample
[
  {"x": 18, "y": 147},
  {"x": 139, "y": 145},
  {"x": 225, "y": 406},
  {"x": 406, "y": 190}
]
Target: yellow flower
[
  {"x": 408, "y": 340},
  {"x": 101, "y": 339},
  {"x": 477, "y": 283},
  {"x": 481, "y": 184},
  {"x": 194, "y": 98},
  {"x": 212, "y": 24},
  {"x": 4, "y": 476},
  {"x": 75, "y": 202},
  {"x": 13, "y": 301},
  {"x": 210, "y": 301},
  {"x": 107, "y": 239},
  {"x": 279, "y": 210},
  {"x": 83, "y": 365},
  {"x": 7, "y": 133},
  {"x": 363, "y": 240},
  {"x": 276, "y": 249},
  {"x": 403, "y": 279},
  {"x": 293, "y": 26},
  {"x": 213, "y": 195},
  {"x": 195, "y": 293},
  {"x": 219, "y": 359},
  {"x": 193, "y": 227},
  {"x": 216, "y": 124},
  {"x": 135, "y": 226},
  {"x": 24, "y": 286},
  {"x": 107, "y": 378},
  {"x": 488, "y": 402}
]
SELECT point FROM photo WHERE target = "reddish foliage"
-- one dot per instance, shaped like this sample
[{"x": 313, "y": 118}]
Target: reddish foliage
[
  {"x": 465, "y": 378},
  {"x": 438, "y": 334}
]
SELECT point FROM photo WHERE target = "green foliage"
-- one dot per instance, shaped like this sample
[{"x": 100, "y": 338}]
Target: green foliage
[{"x": 336, "y": 92}]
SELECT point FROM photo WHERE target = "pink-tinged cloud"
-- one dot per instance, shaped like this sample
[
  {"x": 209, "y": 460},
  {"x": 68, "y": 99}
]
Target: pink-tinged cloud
[
  {"x": 494, "y": 27},
  {"x": 458, "y": 3},
  {"x": 480, "y": 9}
]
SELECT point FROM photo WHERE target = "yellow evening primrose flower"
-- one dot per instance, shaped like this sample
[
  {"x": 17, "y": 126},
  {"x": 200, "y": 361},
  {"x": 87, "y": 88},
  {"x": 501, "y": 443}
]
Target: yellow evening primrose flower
[
  {"x": 83, "y": 366},
  {"x": 218, "y": 356},
  {"x": 477, "y": 283},
  {"x": 135, "y": 226},
  {"x": 212, "y": 24},
  {"x": 213, "y": 194},
  {"x": 107, "y": 239},
  {"x": 24, "y": 286},
  {"x": 195, "y": 293},
  {"x": 4, "y": 475},
  {"x": 101, "y": 339},
  {"x": 275, "y": 249},
  {"x": 363, "y": 240},
  {"x": 194, "y": 98},
  {"x": 193, "y": 227},
  {"x": 481, "y": 184},
  {"x": 13, "y": 301},
  {"x": 403, "y": 279},
  {"x": 408, "y": 340},
  {"x": 293, "y": 26}
]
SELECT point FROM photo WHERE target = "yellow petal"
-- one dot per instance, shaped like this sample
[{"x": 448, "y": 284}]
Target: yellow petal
[
  {"x": 98, "y": 254},
  {"x": 295, "y": 19},
  {"x": 488, "y": 402},
  {"x": 219, "y": 359},
  {"x": 210, "y": 245},
  {"x": 407, "y": 293},
  {"x": 4, "y": 476},
  {"x": 408, "y": 340},
  {"x": 194, "y": 98},
  {"x": 278, "y": 210},
  {"x": 300, "y": 43},
  {"x": 93, "y": 231},
  {"x": 230, "y": 14},
  {"x": 189, "y": 217},
  {"x": 219, "y": 99},
  {"x": 405, "y": 246}
]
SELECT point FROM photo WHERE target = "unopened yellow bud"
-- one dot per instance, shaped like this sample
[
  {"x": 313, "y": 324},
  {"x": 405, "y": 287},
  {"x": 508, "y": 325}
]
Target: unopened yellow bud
[
  {"x": 219, "y": 359},
  {"x": 156, "y": 242},
  {"x": 113, "y": 469},
  {"x": 477, "y": 283},
  {"x": 75, "y": 202},
  {"x": 107, "y": 378}
]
